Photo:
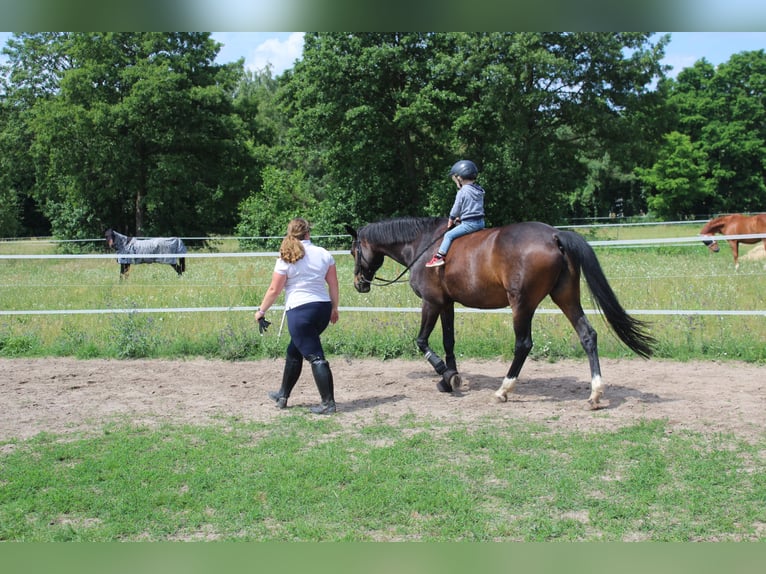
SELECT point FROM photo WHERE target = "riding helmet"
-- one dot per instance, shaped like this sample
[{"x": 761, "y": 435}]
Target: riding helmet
[{"x": 465, "y": 168}]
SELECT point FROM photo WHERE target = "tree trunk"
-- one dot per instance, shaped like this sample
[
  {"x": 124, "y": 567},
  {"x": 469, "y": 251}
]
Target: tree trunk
[{"x": 140, "y": 195}]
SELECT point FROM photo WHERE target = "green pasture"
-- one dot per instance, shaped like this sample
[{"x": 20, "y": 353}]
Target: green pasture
[
  {"x": 664, "y": 277},
  {"x": 306, "y": 478}
]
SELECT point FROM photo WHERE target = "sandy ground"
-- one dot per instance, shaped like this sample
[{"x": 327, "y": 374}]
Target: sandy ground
[{"x": 72, "y": 396}]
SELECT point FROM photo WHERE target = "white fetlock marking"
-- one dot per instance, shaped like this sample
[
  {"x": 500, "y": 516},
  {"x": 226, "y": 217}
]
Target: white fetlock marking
[
  {"x": 596, "y": 390},
  {"x": 505, "y": 388}
]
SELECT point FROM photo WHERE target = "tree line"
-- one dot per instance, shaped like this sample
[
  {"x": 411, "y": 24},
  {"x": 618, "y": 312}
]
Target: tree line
[{"x": 146, "y": 133}]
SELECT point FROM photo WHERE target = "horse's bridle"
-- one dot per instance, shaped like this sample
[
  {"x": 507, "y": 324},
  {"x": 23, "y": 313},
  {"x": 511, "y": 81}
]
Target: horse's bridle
[
  {"x": 355, "y": 245},
  {"x": 360, "y": 258}
]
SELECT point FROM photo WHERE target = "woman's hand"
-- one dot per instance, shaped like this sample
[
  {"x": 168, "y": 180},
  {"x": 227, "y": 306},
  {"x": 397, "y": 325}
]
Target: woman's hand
[{"x": 263, "y": 323}]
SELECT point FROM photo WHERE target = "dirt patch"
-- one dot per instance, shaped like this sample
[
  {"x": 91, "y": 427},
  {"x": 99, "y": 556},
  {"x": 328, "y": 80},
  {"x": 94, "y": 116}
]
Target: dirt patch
[{"x": 64, "y": 395}]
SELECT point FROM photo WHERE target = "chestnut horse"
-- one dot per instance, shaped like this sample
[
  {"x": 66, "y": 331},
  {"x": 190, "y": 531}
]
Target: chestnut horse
[
  {"x": 735, "y": 224},
  {"x": 516, "y": 265}
]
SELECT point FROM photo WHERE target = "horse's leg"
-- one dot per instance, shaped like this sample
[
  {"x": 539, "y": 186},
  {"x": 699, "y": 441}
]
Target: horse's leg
[
  {"x": 735, "y": 251},
  {"x": 450, "y": 376},
  {"x": 124, "y": 270},
  {"x": 569, "y": 302},
  {"x": 428, "y": 316},
  {"x": 522, "y": 328}
]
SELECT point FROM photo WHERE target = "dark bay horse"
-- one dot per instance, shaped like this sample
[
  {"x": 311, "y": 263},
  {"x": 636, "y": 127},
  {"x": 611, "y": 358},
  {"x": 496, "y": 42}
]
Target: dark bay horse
[
  {"x": 166, "y": 246},
  {"x": 735, "y": 224},
  {"x": 516, "y": 265}
]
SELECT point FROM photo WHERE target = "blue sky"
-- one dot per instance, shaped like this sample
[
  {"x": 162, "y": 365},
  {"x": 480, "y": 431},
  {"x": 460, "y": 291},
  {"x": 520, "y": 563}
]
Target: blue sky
[
  {"x": 281, "y": 49},
  {"x": 685, "y": 48}
]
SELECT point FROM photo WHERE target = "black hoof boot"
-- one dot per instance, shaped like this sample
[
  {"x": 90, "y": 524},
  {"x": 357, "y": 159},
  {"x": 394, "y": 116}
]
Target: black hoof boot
[
  {"x": 277, "y": 397},
  {"x": 326, "y": 408}
]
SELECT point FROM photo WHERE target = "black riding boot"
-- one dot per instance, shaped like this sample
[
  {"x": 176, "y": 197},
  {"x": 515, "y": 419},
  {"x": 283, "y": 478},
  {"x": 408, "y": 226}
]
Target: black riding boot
[
  {"x": 323, "y": 378},
  {"x": 290, "y": 376}
]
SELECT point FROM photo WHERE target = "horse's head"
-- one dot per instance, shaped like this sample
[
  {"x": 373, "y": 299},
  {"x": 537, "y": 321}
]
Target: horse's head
[
  {"x": 109, "y": 236},
  {"x": 366, "y": 261},
  {"x": 711, "y": 244},
  {"x": 716, "y": 225}
]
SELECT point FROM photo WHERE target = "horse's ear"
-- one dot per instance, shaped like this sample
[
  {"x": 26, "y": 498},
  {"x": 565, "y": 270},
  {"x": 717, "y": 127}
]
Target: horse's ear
[{"x": 351, "y": 231}]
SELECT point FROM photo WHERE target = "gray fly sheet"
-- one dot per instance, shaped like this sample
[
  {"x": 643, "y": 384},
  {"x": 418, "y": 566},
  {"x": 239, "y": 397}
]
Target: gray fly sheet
[
  {"x": 153, "y": 246},
  {"x": 125, "y": 245}
]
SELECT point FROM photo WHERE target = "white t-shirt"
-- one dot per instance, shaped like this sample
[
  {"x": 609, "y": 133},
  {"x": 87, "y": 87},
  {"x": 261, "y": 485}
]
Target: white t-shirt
[{"x": 306, "y": 277}]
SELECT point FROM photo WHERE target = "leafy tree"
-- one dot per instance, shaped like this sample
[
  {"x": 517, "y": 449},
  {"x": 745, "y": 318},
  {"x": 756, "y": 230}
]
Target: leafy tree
[
  {"x": 284, "y": 195},
  {"x": 370, "y": 120},
  {"x": 545, "y": 108},
  {"x": 678, "y": 183},
  {"x": 20, "y": 87},
  {"x": 722, "y": 113},
  {"x": 735, "y": 137},
  {"x": 10, "y": 208},
  {"x": 254, "y": 102},
  {"x": 378, "y": 119},
  {"x": 132, "y": 130}
]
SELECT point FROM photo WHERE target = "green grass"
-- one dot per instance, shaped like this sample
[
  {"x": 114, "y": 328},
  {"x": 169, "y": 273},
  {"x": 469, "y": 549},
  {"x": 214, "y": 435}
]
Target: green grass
[
  {"x": 647, "y": 278},
  {"x": 303, "y": 479}
]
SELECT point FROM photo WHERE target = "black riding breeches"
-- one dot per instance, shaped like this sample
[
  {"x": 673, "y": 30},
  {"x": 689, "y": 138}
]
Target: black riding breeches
[{"x": 305, "y": 324}]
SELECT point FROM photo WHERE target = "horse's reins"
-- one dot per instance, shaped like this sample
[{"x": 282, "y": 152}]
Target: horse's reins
[{"x": 386, "y": 282}]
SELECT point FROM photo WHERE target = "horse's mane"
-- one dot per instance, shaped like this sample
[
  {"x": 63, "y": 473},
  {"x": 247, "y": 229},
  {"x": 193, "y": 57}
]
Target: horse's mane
[
  {"x": 115, "y": 233},
  {"x": 715, "y": 223},
  {"x": 400, "y": 230}
]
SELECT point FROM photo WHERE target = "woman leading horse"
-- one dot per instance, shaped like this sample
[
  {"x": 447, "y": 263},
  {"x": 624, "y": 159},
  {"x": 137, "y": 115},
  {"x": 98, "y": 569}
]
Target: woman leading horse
[{"x": 516, "y": 265}]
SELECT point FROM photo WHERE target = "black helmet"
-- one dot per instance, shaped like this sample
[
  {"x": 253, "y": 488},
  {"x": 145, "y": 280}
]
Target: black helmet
[{"x": 465, "y": 168}]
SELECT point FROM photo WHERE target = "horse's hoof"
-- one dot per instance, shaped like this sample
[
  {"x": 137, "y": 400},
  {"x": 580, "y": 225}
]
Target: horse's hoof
[
  {"x": 443, "y": 387},
  {"x": 593, "y": 405},
  {"x": 501, "y": 398},
  {"x": 453, "y": 379}
]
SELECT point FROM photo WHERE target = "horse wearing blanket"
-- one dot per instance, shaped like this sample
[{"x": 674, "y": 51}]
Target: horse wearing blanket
[{"x": 143, "y": 251}]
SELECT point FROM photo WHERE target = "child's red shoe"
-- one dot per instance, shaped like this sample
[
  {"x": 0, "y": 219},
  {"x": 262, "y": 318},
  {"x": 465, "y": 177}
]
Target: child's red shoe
[{"x": 436, "y": 261}]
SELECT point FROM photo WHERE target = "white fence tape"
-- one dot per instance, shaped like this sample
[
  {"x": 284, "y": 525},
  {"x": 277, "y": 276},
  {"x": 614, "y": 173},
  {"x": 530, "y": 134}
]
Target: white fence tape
[
  {"x": 616, "y": 243},
  {"x": 154, "y": 255},
  {"x": 598, "y": 243},
  {"x": 507, "y": 311}
]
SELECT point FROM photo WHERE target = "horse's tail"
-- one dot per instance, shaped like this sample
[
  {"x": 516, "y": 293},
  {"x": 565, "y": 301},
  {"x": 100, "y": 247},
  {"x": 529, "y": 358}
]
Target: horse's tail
[{"x": 631, "y": 331}]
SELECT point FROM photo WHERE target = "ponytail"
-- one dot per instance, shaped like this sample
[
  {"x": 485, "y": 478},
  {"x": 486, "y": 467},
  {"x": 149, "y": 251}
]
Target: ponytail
[{"x": 292, "y": 249}]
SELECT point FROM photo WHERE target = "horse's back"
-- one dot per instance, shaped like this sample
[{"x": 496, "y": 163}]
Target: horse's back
[
  {"x": 759, "y": 223},
  {"x": 736, "y": 223},
  {"x": 485, "y": 267},
  {"x": 510, "y": 240},
  {"x": 157, "y": 246}
]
